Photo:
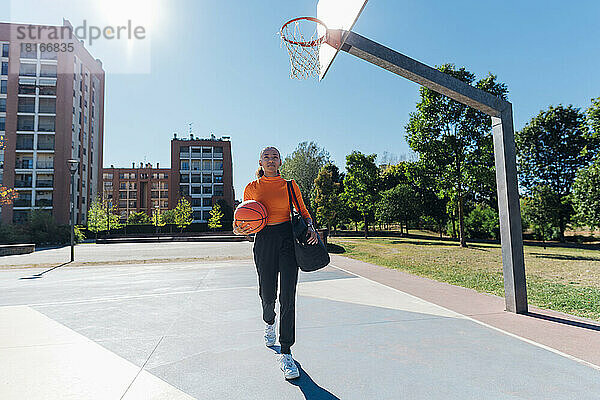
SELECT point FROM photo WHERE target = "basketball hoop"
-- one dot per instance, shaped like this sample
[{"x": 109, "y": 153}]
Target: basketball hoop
[{"x": 303, "y": 37}]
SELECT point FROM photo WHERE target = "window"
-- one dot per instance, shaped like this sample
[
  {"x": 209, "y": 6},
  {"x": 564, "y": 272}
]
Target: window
[
  {"x": 123, "y": 204},
  {"x": 132, "y": 204},
  {"x": 154, "y": 194},
  {"x": 122, "y": 195},
  {"x": 184, "y": 151},
  {"x": 46, "y": 142},
  {"x": 184, "y": 190},
  {"x": 4, "y": 68},
  {"x": 206, "y": 189},
  {"x": 206, "y": 202},
  {"x": 48, "y": 71},
  {"x": 218, "y": 178},
  {"x": 2, "y": 123},
  {"x": 3, "y": 105},
  {"x": 185, "y": 165},
  {"x": 122, "y": 186},
  {"x": 107, "y": 176},
  {"x": 25, "y": 123},
  {"x": 26, "y": 89},
  {"x": 4, "y": 87},
  {"x": 206, "y": 178},
  {"x": 197, "y": 215},
  {"x": 196, "y": 202},
  {"x": 28, "y": 50},
  {"x": 218, "y": 152},
  {"x": 26, "y": 105},
  {"x": 218, "y": 166},
  {"x": 48, "y": 54},
  {"x": 218, "y": 190},
  {"x": 46, "y": 124},
  {"x": 206, "y": 165},
  {"x": 196, "y": 178},
  {"x": 133, "y": 195},
  {"x": 196, "y": 190},
  {"x": 121, "y": 175},
  {"x": 195, "y": 165},
  {"x": 47, "y": 90},
  {"x": 183, "y": 178},
  {"x": 206, "y": 152},
  {"x": 5, "y": 50},
  {"x": 47, "y": 106},
  {"x": 28, "y": 69}
]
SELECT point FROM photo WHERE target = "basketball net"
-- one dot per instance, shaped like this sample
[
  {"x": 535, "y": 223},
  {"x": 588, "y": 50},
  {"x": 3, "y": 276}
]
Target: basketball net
[{"x": 303, "y": 48}]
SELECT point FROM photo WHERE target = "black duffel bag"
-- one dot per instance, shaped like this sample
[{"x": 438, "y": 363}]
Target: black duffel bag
[{"x": 309, "y": 257}]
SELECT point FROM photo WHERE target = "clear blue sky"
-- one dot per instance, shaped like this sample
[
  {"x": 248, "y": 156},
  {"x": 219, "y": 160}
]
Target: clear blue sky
[{"x": 219, "y": 64}]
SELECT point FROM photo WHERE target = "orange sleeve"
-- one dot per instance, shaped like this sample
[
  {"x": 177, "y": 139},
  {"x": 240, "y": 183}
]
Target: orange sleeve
[
  {"x": 301, "y": 206},
  {"x": 248, "y": 192}
]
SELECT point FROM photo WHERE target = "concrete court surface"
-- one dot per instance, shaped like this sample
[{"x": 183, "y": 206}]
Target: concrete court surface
[{"x": 185, "y": 330}]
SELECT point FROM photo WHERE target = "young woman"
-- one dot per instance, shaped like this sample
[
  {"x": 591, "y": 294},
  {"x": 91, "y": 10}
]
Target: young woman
[{"x": 274, "y": 253}]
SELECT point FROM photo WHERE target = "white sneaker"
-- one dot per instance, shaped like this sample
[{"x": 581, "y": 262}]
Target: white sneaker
[
  {"x": 288, "y": 366},
  {"x": 270, "y": 335}
]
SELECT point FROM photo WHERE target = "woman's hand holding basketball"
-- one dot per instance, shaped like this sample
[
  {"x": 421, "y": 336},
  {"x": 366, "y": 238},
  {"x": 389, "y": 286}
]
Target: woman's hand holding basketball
[{"x": 241, "y": 228}]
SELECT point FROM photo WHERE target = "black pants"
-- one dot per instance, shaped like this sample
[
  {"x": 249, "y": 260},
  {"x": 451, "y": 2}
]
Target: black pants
[{"x": 273, "y": 255}]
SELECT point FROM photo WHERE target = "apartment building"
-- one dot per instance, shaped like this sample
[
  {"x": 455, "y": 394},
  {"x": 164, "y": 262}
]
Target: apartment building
[
  {"x": 136, "y": 189},
  {"x": 51, "y": 110},
  {"x": 202, "y": 171}
]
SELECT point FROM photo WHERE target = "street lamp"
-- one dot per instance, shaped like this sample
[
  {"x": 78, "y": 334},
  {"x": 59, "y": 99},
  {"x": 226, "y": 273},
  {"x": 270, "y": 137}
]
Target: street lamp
[{"x": 73, "y": 165}]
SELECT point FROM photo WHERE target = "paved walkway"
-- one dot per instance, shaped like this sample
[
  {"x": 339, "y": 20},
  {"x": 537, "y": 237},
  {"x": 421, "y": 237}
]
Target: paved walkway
[{"x": 186, "y": 330}]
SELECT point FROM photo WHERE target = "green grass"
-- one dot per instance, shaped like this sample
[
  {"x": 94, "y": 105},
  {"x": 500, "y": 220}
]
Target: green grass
[{"x": 561, "y": 279}]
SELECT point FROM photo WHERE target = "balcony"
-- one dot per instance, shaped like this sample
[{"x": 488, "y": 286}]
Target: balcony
[
  {"x": 45, "y": 165},
  {"x": 25, "y": 144},
  {"x": 23, "y": 183},
  {"x": 24, "y": 164},
  {"x": 44, "y": 183},
  {"x": 43, "y": 202},
  {"x": 25, "y": 202},
  {"x": 45, "y": 146}
]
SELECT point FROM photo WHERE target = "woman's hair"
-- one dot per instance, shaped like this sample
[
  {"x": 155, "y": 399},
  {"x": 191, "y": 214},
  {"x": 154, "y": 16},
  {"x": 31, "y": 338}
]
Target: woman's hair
[{"x": 260, "y": 172}]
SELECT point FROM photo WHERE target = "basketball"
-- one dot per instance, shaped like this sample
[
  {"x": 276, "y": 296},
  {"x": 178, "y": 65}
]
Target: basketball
[{"x": 252, "y": 212}]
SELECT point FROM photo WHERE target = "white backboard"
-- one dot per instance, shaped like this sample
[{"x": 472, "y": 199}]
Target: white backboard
[{"x": 336, "y": 14}]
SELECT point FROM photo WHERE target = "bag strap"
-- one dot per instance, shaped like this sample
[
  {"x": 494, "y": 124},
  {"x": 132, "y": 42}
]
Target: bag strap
[
  {"x": 292, "y": 193},
  {"x": 289, "y": 184}
]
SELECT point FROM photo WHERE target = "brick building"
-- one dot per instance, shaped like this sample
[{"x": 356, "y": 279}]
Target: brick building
[
  {"x": 136, "y": 189},
  {"x": 51, "y": 110},
  {"x": 202, "y": 171}
]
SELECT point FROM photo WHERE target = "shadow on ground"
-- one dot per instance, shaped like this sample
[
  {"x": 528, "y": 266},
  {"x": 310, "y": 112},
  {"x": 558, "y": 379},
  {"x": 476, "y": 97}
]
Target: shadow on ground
[
  {"x": 578, "y": 324},
  {"x": 565, "y": 257},
  {"x": 41, "y": 274},
  {"x": 306, "y": 384}
]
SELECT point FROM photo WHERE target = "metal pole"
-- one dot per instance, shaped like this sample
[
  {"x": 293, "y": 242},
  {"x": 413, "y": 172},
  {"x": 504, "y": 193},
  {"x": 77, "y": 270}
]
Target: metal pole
[
  {"x": 515, "y": 289},
  {"x": 72, "y": 216}
]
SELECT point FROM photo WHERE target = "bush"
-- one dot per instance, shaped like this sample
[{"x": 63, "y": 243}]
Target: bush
[{"x": 482, "y": 223}]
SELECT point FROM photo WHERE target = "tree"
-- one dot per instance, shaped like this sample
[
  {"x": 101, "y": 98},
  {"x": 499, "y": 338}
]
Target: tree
[
  {"x": 361, "y": 184},
  {"x": 168, "y": 218},
  {"x": 303, "y": 166},
  {"x": 7, "y": 195},
  {"x": 98, "y": 214},
  {"x": 96, "y": 217},
  {"x": 551, "y": 148},
  {"x": 138, "y": 218},
  {"x": 216, "y": 215},
  {"x": 327, "y": 202},
  {"x": 455, "y": 142},
  {"x": 183, "y": 214},
  {"x": 541, "y": 211},
  {"x": 157, "y": 219},
  {"x": 399, "y": 204},
  {"x": 586, "y": 195}
]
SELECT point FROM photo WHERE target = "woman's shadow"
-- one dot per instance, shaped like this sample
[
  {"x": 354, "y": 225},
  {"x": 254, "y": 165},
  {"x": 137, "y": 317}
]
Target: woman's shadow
[{"x": 309, "y": 388}]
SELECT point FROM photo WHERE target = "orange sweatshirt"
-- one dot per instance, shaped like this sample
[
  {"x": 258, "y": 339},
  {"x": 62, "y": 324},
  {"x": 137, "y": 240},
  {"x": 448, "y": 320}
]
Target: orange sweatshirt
[{"x": 272, "y": 193}]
